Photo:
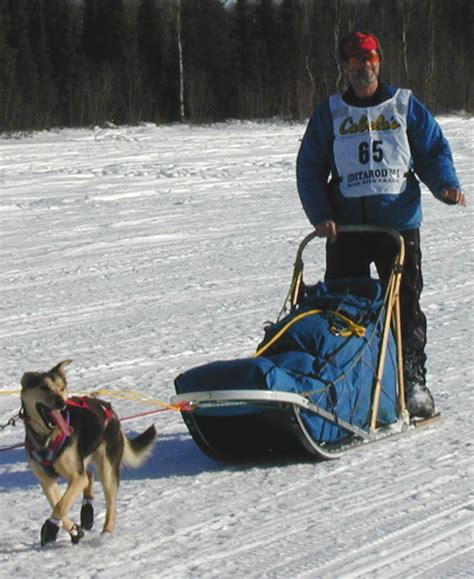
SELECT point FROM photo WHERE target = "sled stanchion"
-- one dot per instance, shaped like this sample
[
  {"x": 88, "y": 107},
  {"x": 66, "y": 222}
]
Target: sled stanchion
[
  {"x": 297, "y": 279},
  {"x": 401, "y": 376},
  {"x": 296, "y": 289},
  {"x": 381, "y": 362},
  {"x": 392, "y": 303}
]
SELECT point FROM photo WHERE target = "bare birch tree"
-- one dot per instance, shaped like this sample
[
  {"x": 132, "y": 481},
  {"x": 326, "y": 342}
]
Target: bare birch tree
[
  {"x": 309, "y": 45},
  {"x": 406, "y": 10},
  {"x": 180, "y": 59},
  {"x": 431, "y": 53},
  {"x": 337, "y": 37}
]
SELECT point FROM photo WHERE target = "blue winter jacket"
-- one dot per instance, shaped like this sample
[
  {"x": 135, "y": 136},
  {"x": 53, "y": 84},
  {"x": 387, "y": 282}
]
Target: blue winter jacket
[{"x": 317, "y": 176}]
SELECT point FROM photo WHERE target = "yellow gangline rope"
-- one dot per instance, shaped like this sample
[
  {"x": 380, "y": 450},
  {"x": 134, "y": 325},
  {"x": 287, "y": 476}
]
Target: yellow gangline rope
[
  {"x": 352, "y": 328},
  {"x": 117, "y": 394},
  {"x": 128, "y": 395}
]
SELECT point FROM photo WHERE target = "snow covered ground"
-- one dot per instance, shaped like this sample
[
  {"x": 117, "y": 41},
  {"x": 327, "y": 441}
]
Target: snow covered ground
[{"x": 141, "y": 252}]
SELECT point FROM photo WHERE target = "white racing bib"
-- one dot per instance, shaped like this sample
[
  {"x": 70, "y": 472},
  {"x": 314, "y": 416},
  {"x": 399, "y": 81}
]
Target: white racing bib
[{"x": 371, "y": 148}]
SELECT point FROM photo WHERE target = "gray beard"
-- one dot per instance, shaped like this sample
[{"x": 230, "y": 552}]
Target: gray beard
[{"x": 367, "y": 81}]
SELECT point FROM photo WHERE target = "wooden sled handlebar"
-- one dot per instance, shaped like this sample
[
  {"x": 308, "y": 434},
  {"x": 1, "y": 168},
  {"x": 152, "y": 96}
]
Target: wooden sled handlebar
[{"x": 358, "y": 229}]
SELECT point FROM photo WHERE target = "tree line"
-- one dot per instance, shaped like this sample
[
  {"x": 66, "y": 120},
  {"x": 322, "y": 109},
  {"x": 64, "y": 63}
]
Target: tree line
[{"x": 88, "y": 62}]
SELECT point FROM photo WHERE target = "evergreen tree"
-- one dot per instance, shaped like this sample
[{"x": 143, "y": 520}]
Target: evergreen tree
[
  {"x": 242, "y": 40},
  {"x": 110, "y": 46},
  {"x": 291, "y": 57},
  {"x": 25, "y": 77},
  {"x": 82, "y": 62},
  {"x": 44, "y": 100},
  {"x": 150, "y": 48},
  {"x": 265, "y": 55},
  {"x": 206, "y": 55},
  {"x": 8, "y": 88},
  {"x": 453, "y": 67},
  {"x": 68, "y": 61}
]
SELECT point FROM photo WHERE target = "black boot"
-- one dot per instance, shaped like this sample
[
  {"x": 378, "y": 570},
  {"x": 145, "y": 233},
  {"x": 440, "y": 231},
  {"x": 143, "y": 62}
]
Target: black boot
[
  {"x": 76, "y": 534},
  {"x": 87, "y": 514},
  {"x": 419, "y": 400},
  {"x": 49, "y": 532}
]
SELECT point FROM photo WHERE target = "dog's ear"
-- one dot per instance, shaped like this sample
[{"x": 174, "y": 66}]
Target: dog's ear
[
  {"x": 29, "y": 379},
  {"x": 59, "y": 368}
]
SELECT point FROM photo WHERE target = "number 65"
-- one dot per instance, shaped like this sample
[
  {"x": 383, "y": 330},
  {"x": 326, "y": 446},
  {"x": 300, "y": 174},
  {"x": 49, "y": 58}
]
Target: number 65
[{"x": 364, "y": 152}]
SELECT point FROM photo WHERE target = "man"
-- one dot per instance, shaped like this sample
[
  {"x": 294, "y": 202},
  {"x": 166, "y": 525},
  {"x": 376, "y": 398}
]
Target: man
[{"x": 357, "y": 165}]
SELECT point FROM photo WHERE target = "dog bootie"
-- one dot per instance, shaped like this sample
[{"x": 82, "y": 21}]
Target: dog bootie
[
  {"x": 49, "y": 532},
  {"x": 76, "y": 534},
  {"x": 87, "y": 514}
]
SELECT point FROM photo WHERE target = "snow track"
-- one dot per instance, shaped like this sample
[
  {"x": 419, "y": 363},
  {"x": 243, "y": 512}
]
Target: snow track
[{"x": 140, "y": 252}]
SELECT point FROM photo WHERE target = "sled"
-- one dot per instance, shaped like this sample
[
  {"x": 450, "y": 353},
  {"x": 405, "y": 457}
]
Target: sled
[{"x": 327, "y": 376}]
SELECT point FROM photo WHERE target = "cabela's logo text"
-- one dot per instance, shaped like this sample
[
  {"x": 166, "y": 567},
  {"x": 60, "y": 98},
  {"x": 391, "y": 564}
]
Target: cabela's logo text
[{"x": 350, "y": 127}]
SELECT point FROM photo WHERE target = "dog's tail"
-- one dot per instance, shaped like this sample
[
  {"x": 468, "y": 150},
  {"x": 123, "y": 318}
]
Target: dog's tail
[{"x": 138, "y": 449}]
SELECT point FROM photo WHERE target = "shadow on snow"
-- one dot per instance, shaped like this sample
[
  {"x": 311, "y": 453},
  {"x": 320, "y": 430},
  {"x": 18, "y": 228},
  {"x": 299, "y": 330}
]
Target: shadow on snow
[{"x": 175, "y": 455}]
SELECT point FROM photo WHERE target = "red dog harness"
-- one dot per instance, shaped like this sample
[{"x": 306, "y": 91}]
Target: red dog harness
[
  {"x": 83, "y": 402},
  {"x": 48, "y": 455}
]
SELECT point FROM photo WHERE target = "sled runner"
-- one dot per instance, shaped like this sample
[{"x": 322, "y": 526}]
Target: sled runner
[{"x": 327, "y": 376}]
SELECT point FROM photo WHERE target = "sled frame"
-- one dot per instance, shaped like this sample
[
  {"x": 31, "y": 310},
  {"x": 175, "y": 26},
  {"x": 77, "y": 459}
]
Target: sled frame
[
  {"x": 392, "y": 307},
  {"x": 297, "y": 403}
]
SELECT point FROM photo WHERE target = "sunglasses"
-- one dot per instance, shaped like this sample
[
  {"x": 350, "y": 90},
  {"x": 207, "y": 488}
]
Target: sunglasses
[{"x": 371, "y": 57}]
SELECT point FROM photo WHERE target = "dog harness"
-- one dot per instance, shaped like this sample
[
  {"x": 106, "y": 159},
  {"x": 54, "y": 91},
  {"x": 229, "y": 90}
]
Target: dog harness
[
  {"x": 45, "y": 457},
  {"x": 83, "y": 402}
]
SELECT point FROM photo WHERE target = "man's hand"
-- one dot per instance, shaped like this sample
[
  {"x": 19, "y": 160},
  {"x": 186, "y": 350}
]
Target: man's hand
[
  {"x": 454, "y": 196},
  {"x": 327, "y": 228}
]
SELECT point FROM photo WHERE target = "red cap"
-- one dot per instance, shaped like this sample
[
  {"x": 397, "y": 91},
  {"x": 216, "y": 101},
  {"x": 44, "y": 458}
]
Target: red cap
[{"x": 358, "y": 43}]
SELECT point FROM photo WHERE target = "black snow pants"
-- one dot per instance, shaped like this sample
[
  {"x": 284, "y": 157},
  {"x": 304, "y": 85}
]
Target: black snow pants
[{"x": 351, "y": 256}]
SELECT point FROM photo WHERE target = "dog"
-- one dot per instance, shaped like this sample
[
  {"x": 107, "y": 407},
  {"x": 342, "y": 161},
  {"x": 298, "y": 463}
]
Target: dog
[{"x": 63, "y": 436}]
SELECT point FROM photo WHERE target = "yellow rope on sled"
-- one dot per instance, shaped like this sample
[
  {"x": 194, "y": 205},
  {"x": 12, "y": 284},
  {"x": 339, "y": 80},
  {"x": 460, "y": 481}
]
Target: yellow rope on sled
[{"x": 352, "y": 328}]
